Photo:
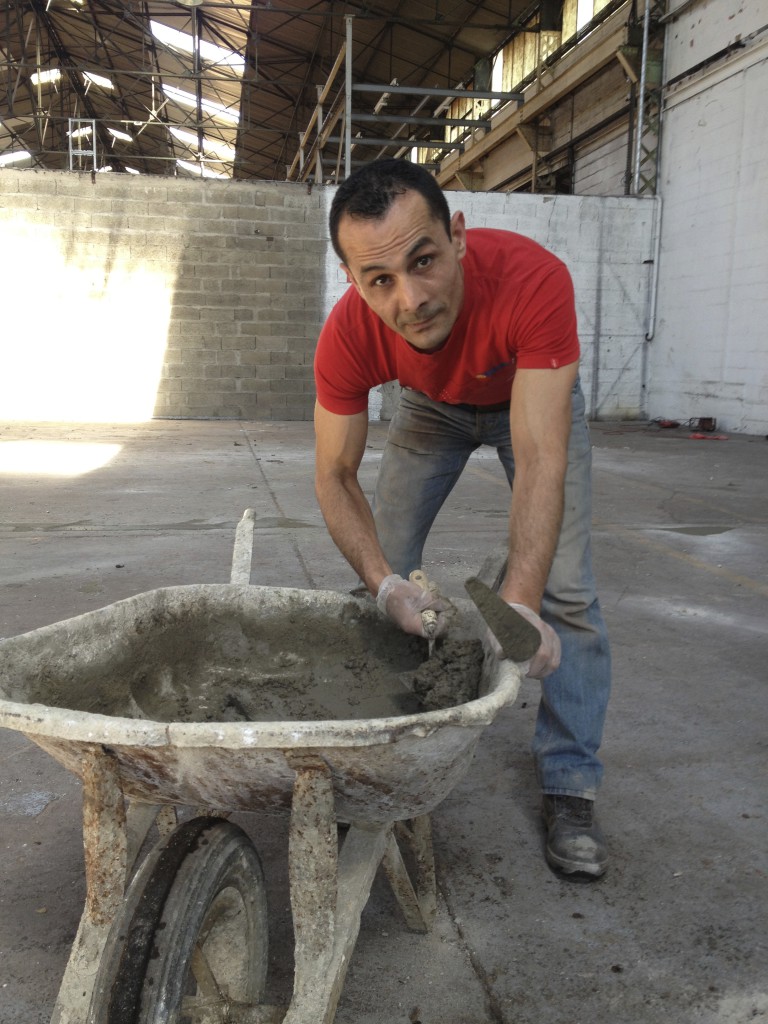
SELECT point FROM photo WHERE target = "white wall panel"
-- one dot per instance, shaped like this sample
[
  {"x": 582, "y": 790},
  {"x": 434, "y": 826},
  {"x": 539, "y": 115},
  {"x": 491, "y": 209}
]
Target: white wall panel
[
  {"x": 709, "y": 356},
  {"x": 605, "y": 242},
  {"x": 709, "y": 26}
]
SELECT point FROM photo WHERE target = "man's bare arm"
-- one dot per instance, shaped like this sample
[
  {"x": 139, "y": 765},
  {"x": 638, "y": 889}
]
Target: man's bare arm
[
  {"x": 339, "y": 447},
  {"x": 340, "y": 444},
  {"x": 540, "y": 424}
]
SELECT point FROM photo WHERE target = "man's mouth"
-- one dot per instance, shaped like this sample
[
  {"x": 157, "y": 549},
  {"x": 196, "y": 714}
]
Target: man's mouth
[{"x": 421, "y": 323}]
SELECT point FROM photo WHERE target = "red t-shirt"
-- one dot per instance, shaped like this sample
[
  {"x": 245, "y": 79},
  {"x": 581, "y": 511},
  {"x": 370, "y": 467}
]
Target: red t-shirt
[{"x": 518, "y": 311}]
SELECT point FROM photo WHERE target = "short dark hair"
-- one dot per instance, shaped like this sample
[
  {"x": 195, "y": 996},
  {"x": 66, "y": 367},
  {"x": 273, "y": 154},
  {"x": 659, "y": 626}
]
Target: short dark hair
[{"x": 370, "y": 191}]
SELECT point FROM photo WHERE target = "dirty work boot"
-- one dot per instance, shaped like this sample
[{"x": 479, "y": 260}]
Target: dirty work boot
[{"x": 575, "y": 843}]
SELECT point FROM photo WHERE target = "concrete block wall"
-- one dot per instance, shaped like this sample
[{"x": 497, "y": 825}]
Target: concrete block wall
[{"x": 219, "y": 299}]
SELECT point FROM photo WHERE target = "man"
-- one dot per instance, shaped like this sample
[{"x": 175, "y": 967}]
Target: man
[{"x": 479, "y": 326}]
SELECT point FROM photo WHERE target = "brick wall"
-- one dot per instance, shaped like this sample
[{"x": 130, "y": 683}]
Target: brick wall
[{"x": 210, "y": 292}]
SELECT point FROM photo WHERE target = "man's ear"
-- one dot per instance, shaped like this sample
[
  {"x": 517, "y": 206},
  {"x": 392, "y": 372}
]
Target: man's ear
[{"x": 459, "y": 234}]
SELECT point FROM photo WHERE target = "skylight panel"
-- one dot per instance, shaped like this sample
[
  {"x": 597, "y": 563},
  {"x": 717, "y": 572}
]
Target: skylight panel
[
  {"x": 188, "y": 99},
  {"x": 93, "y": 79},
  {"x": 199, "y": 170},
  {"x": 123, "y": 136},
  {"x": 218, "y": 56},
  {"x": 209, "y": 145},
  {"x": 45, "y": 77},
  {"x": 14, "y": 158}
]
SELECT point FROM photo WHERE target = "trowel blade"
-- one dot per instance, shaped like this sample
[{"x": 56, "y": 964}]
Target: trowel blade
[{"x": 519, "y": 638}]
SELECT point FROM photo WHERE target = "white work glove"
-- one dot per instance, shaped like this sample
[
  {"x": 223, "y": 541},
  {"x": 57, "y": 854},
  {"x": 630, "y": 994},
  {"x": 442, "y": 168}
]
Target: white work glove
[
  {"x": 403, "y": 602},
  {"x": 547, "y": 658}
]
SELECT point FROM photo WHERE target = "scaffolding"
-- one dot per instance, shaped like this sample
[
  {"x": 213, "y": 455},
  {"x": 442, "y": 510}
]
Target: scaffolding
[
  {"x": 323, "y": 156},
  {"x": 80, "y": 158}
]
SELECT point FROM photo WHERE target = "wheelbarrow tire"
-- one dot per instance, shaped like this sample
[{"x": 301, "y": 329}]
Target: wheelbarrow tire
[{"x": 198, "y": 931}]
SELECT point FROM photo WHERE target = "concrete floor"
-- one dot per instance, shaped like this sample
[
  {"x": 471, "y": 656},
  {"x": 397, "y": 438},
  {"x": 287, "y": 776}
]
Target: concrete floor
[{"x": 675, "y": 932}]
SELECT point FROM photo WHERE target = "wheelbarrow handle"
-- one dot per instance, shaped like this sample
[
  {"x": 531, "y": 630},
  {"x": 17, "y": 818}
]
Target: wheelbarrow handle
[{"x": 243, "y": 551}]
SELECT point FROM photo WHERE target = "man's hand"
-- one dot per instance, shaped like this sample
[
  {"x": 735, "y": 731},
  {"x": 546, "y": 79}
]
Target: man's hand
[
  {"x": 547, "y": 658},
  {"x": 403, "y": 602}
]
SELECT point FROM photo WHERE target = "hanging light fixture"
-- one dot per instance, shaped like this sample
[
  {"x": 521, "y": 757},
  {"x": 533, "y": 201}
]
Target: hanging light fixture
[{"x": 189, "y": 3}]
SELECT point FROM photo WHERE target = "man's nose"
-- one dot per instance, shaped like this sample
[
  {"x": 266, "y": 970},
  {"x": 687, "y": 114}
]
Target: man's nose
[{"x": 412, "y": 295}]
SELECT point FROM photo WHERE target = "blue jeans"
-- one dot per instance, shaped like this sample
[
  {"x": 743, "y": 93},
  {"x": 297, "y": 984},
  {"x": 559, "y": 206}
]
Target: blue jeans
[{"x": 427, "y": 448}]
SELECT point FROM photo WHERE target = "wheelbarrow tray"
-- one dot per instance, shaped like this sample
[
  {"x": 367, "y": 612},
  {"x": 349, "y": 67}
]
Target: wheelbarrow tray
[{"x": 118, "y": 658}]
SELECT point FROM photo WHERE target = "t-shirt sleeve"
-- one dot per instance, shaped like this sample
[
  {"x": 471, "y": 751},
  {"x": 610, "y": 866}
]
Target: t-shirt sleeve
[
  {"x": 547, "y": 334},
  {"x": 338, "y": 387}
]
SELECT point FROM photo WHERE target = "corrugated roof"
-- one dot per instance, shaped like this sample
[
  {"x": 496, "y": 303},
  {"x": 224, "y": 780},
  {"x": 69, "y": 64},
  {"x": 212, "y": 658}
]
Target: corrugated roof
[{"x": 286, "y": 51}]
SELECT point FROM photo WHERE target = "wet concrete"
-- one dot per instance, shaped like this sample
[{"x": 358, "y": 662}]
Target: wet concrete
[{"x": 676, "y": 929}]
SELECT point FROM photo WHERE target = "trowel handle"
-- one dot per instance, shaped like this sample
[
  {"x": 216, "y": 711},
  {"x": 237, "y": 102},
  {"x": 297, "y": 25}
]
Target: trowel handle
[
  {"x": 419, "y": 577},
  {"x": 428, "y": 617}
]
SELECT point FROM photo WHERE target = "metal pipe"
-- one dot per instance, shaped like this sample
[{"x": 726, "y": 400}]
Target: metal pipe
[
  {"x": 427, "y": 122},
  {"x": 348, "y": 99},
  {"x": 197, "y": 71},
  {"x": 366, "y": 140},
  {"x": 417, "y": 90},
  {"x": 652, "y": 298},
  {"x": 320, "y": 126}
]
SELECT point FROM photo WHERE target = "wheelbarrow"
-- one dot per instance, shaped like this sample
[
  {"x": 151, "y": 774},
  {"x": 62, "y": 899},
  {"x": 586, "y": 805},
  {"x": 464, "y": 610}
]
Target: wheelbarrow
[{"x": 175, "y": 923}]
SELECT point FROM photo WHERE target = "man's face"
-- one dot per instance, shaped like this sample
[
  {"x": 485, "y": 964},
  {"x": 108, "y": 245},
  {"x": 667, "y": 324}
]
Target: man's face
[{"x": 407, "y": 269}]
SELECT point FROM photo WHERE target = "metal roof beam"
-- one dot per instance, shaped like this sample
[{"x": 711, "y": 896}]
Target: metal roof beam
[{"x": 408, "y": 90}]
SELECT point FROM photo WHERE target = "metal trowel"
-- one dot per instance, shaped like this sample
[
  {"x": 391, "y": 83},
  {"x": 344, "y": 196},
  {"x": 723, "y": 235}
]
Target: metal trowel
[{"x": 519, "y": 639}]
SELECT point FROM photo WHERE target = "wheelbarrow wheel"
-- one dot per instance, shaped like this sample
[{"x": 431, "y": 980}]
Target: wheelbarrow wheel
[{"x": 196, "y": 943}]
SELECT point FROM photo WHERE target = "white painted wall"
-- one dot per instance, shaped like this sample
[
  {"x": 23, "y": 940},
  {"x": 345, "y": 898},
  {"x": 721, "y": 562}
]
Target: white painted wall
[
  {"x": 709, "y": 353},
  {"x": 605, "y": 242}
]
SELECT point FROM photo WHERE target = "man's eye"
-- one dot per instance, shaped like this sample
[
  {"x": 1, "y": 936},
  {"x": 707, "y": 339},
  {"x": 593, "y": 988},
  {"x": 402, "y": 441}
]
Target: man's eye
[
  {"x": 423, "y": 261},
  {"x": 379, "y": 281}
]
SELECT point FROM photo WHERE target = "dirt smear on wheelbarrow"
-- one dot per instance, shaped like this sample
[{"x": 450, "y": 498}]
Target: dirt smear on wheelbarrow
[{"x": 306, "y": 667}]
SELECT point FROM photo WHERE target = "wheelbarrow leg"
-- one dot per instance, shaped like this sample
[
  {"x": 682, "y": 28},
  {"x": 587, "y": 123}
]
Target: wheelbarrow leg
[
  {"x": 328, "y": 892},
  {"x": 106, "y": 864},
  {"x": 112, "y": 838},
  {"x": 416, "y": 897}
]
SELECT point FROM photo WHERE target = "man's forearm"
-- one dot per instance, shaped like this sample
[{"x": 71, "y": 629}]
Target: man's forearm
[
  {"x": 350, "y": 523},
  {"x": 534, "y": 528}
]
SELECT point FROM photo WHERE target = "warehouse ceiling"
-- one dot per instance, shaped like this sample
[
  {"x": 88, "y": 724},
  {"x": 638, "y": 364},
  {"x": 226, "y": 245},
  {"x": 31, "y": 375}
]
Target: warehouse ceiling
[{"x": 220, "y": 87}]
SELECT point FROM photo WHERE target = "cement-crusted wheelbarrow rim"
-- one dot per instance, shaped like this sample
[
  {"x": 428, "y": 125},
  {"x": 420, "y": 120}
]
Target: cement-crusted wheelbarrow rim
[{"x": 502, "y": 681}]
